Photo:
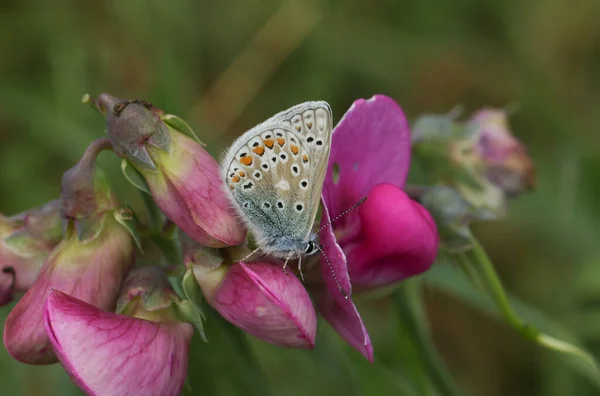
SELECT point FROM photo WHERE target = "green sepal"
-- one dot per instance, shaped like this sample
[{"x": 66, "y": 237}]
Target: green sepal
[
  {"x": 181, "y": 126},
  {"x": 126, "y": 217},
  {"x": 190, "y": 313},
  {"x": 191, "y": 289},
  {"x": 134, "y": 177}
]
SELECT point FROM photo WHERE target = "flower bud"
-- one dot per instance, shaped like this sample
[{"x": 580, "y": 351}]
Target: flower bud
[
  {"x": 89, "y": 263},
  {"x": 453, "y": 214},
  {"x": 181, "y": 176},
  {"x": 504, "y": 158},
  {"x": 112, "y": 354},
  {"x": 25, "y": 241},
  {"x": 259, "y": 298},
  {"x": 92, "y": 272}
]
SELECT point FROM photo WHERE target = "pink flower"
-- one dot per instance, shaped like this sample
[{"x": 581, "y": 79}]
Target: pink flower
[
  {"x": 112, "y": 354},
  {"x": 258, "y": 298},
  {"x": 389, "y": 237},
  {"x": 182, "y": 177},
  {"x": 25, "y": 241},
  {"x": 504, "y": 158},
  {"x": 92, "y": 272}
]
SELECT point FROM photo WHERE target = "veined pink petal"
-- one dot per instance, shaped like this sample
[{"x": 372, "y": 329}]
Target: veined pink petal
[
  {"x": 110, "y": 354},
  {"x": 346, "y": 320},
  {"x": 92, "y": 272},
  {"x": 333, "y": 305},
  {"x": 398, "y": 239},
  {"x": 190, "y": 192},
  {"x": 370, "y": 145},
  {"x": 268, "y": 304}
]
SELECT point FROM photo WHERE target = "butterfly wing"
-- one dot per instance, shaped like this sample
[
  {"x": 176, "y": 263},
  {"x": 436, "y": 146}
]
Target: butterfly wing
[
  {"x": 313, "y": 123},
  {"x": 275, "y": 175}
]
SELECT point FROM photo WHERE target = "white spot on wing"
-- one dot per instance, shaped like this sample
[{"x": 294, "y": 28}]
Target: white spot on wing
[{"x": 283, "y": 185}]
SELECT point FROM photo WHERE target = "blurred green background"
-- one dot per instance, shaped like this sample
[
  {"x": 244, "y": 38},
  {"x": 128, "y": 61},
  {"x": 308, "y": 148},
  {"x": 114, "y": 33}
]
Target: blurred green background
[{"x": 225, "y": 66}]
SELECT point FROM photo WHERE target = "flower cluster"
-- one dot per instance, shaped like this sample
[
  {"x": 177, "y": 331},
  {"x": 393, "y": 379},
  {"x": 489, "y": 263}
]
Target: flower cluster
[
  {"x": 474, "y": 167},
  {"x": 88, "y": 308}
]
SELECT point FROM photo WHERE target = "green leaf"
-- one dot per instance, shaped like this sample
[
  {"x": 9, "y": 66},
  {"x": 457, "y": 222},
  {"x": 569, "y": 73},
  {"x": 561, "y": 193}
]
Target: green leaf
[
  {"x": 181, "y": 126},
  {"x": 134, "y": 177}
]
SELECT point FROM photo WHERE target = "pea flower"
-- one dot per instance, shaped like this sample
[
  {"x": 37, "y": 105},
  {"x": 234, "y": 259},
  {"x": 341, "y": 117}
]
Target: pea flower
[
  {"x": 480, "y": 158},
  {"x": 503, "y": 158},
  {"x": 26, "y": 240},
  {"x": 142, "y": 350},
  {"x": 386, "y": 239},
  {"x": 181, "y": 176},
  {"x": 256, "y": 297},
  {"x": 89, "y": 263}
]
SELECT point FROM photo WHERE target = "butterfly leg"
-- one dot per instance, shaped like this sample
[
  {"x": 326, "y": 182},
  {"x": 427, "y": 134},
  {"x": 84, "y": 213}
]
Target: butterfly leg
[
  {"x": 249, "y": 255},
  {"x": 285, "y": 265},
  {"x": 300, "y": 268}
]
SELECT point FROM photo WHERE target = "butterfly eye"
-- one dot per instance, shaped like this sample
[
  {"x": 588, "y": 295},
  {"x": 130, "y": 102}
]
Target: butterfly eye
[{"x": 310, "y": 248}]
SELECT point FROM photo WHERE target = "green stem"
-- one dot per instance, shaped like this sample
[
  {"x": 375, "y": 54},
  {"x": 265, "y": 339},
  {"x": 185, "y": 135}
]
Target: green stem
[
  {"x": 495, "y": 288},
  {"x": 410, "y": 305}
]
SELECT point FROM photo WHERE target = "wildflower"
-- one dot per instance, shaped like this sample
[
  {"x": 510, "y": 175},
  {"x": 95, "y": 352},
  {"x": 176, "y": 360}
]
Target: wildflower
[{"x": 143, "y": 349}]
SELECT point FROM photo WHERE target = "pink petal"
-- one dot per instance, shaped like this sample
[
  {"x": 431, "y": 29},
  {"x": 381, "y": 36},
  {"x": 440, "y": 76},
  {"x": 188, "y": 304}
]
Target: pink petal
[
  {"x": 193, "y": 196},
  {"x": 333, "y": 305},
  {"x": 92, "y": 272},
  {"x": 110, "y": 354},
  {"x": 346, "y": 320},
  {"x": 268, "y": 304},
  {"x": 370, "y": 145},
  {"x": 398, "y": 239}
]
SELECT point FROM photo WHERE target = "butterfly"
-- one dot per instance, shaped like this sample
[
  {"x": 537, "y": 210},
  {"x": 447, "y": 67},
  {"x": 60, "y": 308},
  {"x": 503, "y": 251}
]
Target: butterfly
[{"x": 274, "y": 175}]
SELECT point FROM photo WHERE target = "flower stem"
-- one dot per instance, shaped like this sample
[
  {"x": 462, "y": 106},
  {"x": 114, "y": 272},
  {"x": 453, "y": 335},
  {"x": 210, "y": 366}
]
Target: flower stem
[
  {"x": 410, "y": 306},
  {"x": 488, "y": 273}
]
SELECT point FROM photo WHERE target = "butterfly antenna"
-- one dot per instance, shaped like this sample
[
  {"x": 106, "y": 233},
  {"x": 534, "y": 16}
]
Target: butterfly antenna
[
  {"x": 337, "y": 282},
  {"x": 344, "y": 213}
]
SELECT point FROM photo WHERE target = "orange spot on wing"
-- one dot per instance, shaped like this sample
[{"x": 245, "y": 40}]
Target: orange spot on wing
[
  {"x": 309, "y": 125},
  {"x": 235, "y": 178},
  {"x": 242, "y": 173},
  {"x": 294, "y": 149},
  {"x": 305, "y": 158},
  {"x": 281, "y": 141},
  {"x": 269, "y": 143},
  {"x": 246, "y": 161},
  {"x": 260, "y": 150}
]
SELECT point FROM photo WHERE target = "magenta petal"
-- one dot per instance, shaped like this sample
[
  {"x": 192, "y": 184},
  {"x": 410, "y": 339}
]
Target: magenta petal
[
  {"x": 370, "y": 145},
  {"x": 333, "y": 305},
  {"x": 336, "y": 258},
  {"x": 398, "y": 239},
  {"x": 346, "y": 320},
  {"x": 110, "y": 354},
  {"x": 268, "y": 304}
]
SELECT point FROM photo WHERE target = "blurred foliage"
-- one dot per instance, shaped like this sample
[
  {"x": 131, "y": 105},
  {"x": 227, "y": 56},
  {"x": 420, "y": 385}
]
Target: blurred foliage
[{"x": 225, "y": 66}]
